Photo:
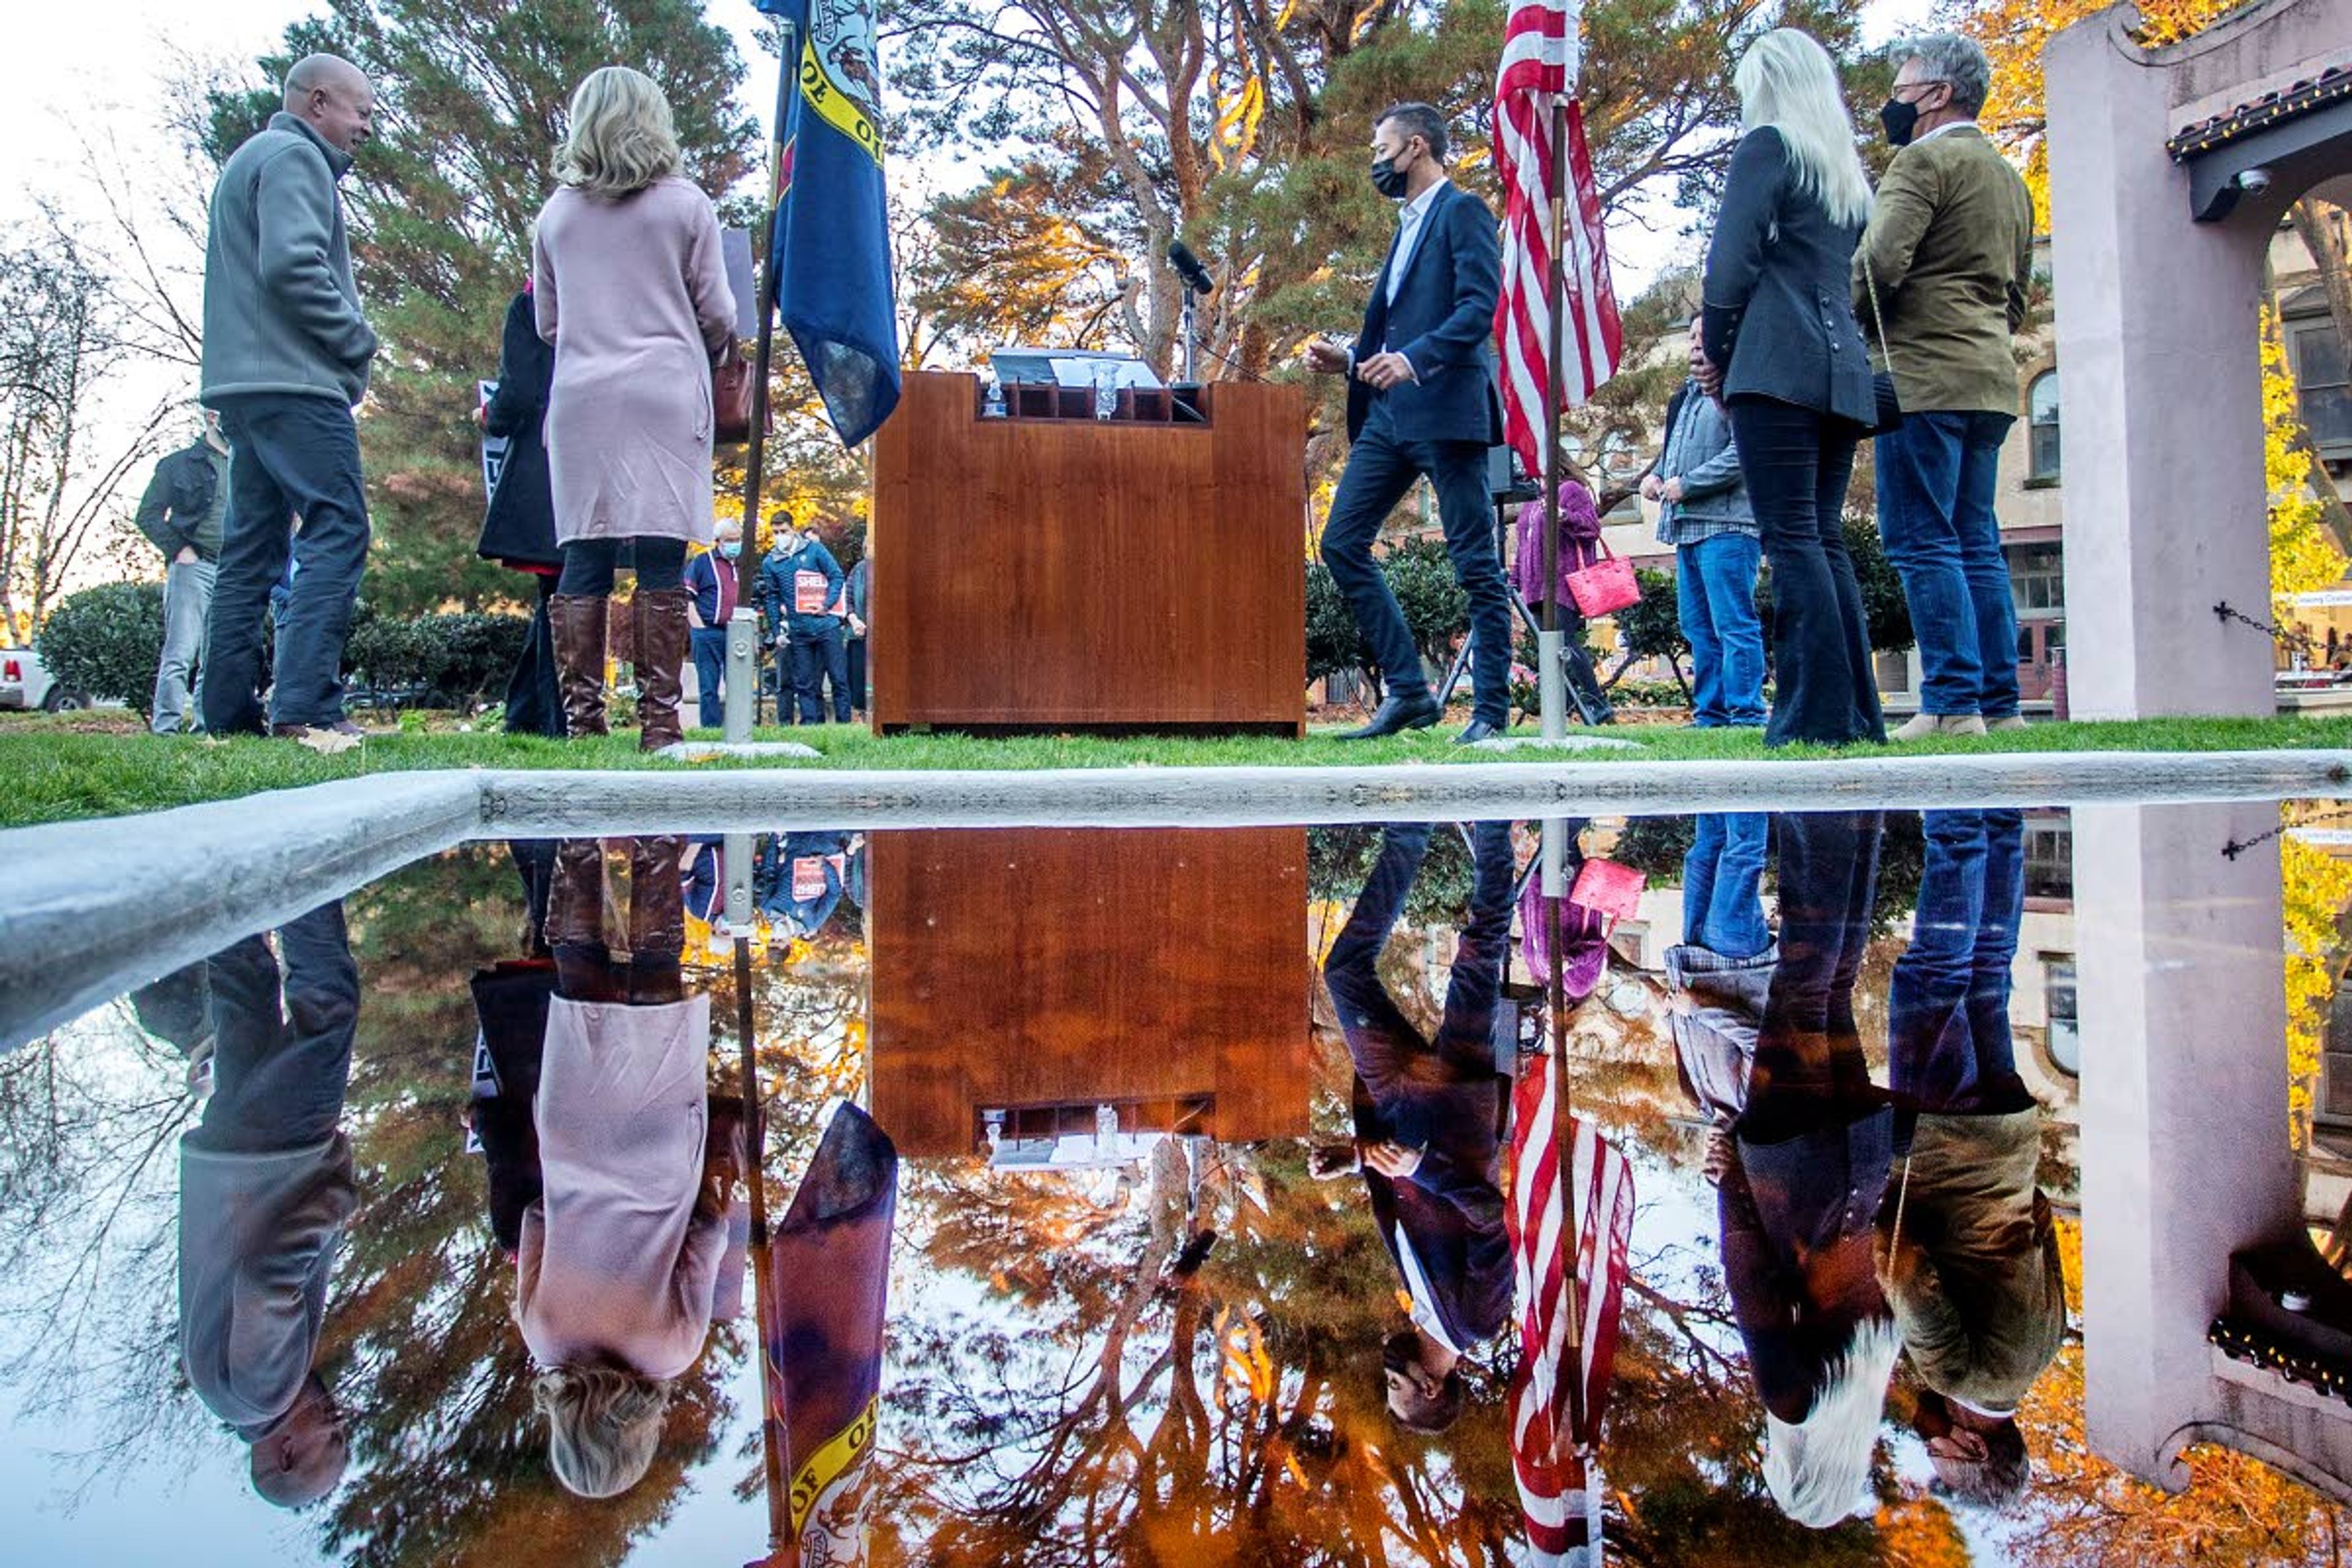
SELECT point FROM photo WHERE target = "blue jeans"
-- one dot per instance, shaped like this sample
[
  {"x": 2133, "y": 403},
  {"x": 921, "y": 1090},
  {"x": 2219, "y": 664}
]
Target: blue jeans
[
  {"x": 294, "y": 456},
  {"x": 1949, "y": 1042},
  {"x": 1723, "y": 878},
  {"x": 1714, "y": 587},
  {"x": 710, "y": 644},
  {"x": 1936, "y": 474},
  {"x": 816, "y": 661},
  {"x": 1381, "y": 468}
]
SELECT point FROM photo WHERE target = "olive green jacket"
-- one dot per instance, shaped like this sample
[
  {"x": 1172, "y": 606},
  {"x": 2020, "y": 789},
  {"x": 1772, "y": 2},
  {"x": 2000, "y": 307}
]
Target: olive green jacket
[
  {"x": 1951, "y": 243},
  {"x": 1974, "y": 1276}
]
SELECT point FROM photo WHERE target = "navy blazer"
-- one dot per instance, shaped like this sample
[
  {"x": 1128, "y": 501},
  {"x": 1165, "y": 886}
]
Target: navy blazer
[
  {"x": 519, "y": 525},
  {"x": 1443, "y": 321},
  {"x": 1779, "y": 311}
]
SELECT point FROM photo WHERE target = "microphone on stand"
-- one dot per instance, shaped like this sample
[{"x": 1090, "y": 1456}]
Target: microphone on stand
[{"x": 1188, "y": 267}]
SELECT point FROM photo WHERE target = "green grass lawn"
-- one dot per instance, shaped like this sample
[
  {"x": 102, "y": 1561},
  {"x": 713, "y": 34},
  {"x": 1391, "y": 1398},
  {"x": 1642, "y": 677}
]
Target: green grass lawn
[{"x": 78, "y": 765}]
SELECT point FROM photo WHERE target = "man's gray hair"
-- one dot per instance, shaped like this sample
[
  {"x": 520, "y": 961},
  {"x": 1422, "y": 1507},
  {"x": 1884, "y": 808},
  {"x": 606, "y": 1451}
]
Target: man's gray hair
[{"x": 1952, "y": 60}]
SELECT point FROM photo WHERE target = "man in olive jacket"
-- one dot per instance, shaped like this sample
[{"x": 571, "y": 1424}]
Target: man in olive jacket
[
  {"x": 287, "y": 352},
  {"x": 1947, "y": 255}
]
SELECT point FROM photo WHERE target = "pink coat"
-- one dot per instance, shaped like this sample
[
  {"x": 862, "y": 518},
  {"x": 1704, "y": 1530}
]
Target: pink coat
[{"x": 633, "y": 295}]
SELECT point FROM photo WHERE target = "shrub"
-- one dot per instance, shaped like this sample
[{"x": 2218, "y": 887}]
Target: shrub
[
  {"x": 440, "y": 661},
  {"x": 105, "y": 643}
]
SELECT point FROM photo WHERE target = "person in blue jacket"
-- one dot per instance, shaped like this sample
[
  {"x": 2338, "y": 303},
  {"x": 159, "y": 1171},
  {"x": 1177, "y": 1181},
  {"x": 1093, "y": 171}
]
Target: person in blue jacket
[{"x": 801, "y": 597}]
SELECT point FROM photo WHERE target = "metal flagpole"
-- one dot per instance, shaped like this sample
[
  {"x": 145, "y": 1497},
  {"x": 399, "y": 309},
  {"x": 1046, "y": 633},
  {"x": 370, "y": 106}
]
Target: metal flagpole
[
  {"x": 1563, "y": 1130},
  {"x": 755, "y": 1177},
  {"x": 744, "y": 629},
  {"x": 1551, "y": 684}
]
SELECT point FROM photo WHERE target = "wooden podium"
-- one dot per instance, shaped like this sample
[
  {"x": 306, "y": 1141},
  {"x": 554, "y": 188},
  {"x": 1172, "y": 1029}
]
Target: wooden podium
[
  {"x": 1027, "y": 979},
  {"x": 1049, "y": 571}
]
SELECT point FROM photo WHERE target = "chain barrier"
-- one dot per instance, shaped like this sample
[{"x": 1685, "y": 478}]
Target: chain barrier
[
  {"x": 2300, "y": 642},
  {"x": 2232, "y": 850}
]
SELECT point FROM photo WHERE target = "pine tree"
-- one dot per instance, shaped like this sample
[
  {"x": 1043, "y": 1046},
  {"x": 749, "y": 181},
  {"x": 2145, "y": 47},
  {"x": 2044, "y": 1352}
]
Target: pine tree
[{"x": 470, "y": 103}]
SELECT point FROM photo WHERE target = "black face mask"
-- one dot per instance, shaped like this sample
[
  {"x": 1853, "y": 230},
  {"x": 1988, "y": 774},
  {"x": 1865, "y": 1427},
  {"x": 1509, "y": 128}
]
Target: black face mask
[
  {"x": 1900, "y": 119},
  {"x": 1387, "y": 179}
]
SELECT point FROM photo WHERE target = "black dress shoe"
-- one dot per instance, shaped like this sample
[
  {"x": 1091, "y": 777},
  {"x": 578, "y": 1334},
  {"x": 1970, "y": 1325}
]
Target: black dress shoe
[
  {"x": 1478, "y": 729},
  {"x": 1397, "y": 714}
]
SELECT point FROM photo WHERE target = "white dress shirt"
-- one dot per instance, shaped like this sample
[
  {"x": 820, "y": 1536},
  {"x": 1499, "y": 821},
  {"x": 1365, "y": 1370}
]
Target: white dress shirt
[{"x": 1410, "y": 219}]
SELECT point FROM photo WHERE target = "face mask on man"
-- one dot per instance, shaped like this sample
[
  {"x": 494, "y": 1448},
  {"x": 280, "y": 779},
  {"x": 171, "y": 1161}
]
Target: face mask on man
[
  {"x": 729, "y": 549},
  {"x": 1388, "y": 179},
  {"x": 1900, "y": 119}
]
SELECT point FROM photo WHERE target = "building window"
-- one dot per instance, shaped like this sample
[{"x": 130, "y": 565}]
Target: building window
[
  {"x": 2037, "y": 577},
  {"x": 2050, "y": 858},
  {"x": 2041, "y": 422},
  {"x": 2323, "y": 384},
  {"x": 2065, "y": 1026}
]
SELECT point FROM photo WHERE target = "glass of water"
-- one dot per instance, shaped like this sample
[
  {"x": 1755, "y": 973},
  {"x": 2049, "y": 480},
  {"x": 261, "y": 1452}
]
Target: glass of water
[{"x": 1106, "y": 390}]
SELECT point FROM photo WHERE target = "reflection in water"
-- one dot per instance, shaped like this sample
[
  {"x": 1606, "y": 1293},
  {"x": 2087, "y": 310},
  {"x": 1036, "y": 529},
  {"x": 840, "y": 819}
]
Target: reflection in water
[
  {"x": 1427, "y": 1108},
  {"x": 265, "y": 1190},
  {"x": 619, "y": 1255},
  {"x": 1176, "y": 1353},
  {"x": 1970, "y": 1256},
  {"x": 1811, "y": 1150}
]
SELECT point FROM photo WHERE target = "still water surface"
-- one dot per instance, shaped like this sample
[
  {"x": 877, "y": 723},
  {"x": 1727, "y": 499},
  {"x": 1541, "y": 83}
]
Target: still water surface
[{"x": 1134, "y": 1196}]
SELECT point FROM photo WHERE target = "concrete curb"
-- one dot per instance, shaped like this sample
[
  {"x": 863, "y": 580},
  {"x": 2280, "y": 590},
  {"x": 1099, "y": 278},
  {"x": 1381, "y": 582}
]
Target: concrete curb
[
  {"x": 553, "y": 803},
  {"x": 94, "y": 909}
]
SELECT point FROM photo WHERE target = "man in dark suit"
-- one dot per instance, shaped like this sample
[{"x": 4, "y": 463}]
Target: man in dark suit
[{"x": 1420, "y": 401}]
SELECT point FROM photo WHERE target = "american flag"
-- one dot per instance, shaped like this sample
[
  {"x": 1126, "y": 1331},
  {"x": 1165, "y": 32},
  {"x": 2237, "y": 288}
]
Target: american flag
[
  {"x": 1541, "y": 59},
  {"x": 1559, "y": 1488}
]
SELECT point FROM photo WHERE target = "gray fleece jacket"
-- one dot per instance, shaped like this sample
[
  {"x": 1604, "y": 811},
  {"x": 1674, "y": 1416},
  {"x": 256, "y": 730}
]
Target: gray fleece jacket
[{"x": 281, "y": 312}]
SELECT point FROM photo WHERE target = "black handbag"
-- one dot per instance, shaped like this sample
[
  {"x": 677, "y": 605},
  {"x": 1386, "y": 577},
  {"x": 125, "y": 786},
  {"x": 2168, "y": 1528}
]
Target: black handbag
[{"x": 1888, "y": 413}]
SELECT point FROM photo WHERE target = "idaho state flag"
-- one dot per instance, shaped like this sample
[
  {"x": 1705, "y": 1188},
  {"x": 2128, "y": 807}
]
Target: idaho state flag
[
  {"x": 833, "y": 217},
  {"x": 829, "y": 1275}
]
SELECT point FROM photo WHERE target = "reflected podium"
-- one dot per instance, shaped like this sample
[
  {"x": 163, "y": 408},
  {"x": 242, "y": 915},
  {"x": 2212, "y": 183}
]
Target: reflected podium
[{"x": 1026, "y": 980}]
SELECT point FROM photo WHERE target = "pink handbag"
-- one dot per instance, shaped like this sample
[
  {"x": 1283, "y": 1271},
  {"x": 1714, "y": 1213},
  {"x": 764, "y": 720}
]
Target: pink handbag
[
  {"x": 1609, "y": 890},
  {"x": 1604, "y": 587}
]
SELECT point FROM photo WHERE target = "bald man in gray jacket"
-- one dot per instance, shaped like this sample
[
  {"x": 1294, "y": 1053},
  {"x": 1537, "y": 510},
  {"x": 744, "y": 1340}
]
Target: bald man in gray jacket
[{"x": 287, "y": 351}]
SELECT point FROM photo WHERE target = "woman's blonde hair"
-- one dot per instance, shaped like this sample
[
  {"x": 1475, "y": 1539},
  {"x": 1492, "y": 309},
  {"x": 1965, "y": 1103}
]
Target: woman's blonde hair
[
  {"x": 603, "y": 1426},
  {"x": 621, "y": 136},
  {"x": 1787, "y": 80}
]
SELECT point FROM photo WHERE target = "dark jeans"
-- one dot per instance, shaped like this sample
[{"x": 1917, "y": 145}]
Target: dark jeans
[
  {"x": 532, "y": 706},
  {"x": 279, "y": 1074},
  {"x": 1723, "y": 881},
  {"x": 858, "y": 674},
  {"x": 710, "y": 644},
  {"x": 1715, "y": 592},
  {"x": 814, "y": 662},
  {"x": 1583, "y": 684},
  {"x": 295, "y": 457},
  {"x": 1809, "y": 1060},
  {"x": 589, "y": 565},
  {"x": 1948, "y": 1043},
  {"x": 1797, "y": 462},
  {"x": 1935, "y": 475},
  {"x": 1381, "y": 468},
  {"x": 1409, "y": 1077}
]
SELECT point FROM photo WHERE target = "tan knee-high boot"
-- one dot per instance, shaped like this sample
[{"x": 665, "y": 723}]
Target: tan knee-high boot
[
  {"x": 575, "y": 903},
  {"x": 578, "y": 621}
]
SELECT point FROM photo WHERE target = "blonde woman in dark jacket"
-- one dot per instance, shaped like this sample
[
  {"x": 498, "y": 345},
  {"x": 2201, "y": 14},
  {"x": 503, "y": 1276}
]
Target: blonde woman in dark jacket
[{"x": 1787, "y": 354}]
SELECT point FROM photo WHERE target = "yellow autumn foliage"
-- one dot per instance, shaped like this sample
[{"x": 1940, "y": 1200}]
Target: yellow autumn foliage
[
  {"x": 2318, "y": 886},
  {"x": 2304, "y": 557},
  {"x": 2014, "y": 32}
]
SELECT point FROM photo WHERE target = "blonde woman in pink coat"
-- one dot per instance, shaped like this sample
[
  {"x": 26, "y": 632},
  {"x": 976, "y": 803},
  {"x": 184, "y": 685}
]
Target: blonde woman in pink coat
[{"x": 630, "y": 288}]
